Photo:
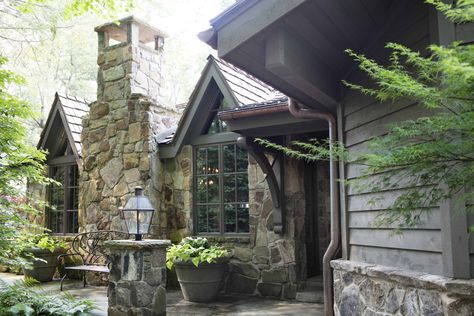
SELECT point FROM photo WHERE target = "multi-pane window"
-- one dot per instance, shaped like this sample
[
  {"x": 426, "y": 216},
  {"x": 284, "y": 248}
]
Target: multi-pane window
[
  {"x": 221, "y": 182},
  {"x": 63, "y": 200}
]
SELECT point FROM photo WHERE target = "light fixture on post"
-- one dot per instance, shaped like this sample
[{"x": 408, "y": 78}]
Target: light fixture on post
[{"x": 138, "y": 213}]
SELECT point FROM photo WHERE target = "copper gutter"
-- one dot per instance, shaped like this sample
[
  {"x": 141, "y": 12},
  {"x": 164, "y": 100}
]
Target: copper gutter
[
  {"x": 305, "y": 113},
  {"x": 252, "y": 111}
]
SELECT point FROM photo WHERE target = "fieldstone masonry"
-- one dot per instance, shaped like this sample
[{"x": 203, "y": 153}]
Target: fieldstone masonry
[
  {"x": 262, "y": 263},
  {"x": 118, "y": 134},
  {"x": 137, "y": 277},
  {"x": 372, "y": 290}
]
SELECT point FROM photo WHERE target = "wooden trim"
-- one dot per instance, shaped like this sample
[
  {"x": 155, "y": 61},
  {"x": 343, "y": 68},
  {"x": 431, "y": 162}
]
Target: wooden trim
[
  {"x": 61, "y": 160},
  {"x": 454, "y": 230},
  {"x": 215, "y": 138},
  {"x": 210, "y": 84},
  {"x": 342, "y": 186},
  {"x": 255, "y": 19},
  {"x": 442, "y": 31},
  {"x": 455, "y": 238}
]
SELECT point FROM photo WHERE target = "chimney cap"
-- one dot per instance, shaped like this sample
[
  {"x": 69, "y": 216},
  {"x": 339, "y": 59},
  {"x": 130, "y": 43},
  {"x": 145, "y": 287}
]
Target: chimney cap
[{"x": 118, "y": 30}]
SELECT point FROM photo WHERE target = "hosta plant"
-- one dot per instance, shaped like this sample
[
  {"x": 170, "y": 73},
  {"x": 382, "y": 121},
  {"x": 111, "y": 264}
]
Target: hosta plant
[{"x": 196, "y": 250}]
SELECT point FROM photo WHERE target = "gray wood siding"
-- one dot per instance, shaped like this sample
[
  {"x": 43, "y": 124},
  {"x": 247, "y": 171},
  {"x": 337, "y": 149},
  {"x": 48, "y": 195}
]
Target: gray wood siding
[
  {"x": 465, "y": 32},
  {"x": 418, "y": 248}
]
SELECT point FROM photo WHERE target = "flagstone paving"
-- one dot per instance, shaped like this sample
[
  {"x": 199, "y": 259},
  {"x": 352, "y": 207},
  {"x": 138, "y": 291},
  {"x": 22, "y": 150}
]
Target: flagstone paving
[{"x": 176, "y": 306}]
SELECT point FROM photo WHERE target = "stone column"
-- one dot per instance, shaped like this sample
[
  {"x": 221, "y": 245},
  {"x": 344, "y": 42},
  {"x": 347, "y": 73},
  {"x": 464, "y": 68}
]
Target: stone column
[{"x": 137, "y": 277}]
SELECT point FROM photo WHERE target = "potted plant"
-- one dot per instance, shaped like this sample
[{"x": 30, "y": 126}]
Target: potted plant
[
  {"x": 40, "y": 252},
  {"x": 199, "y": 266}
]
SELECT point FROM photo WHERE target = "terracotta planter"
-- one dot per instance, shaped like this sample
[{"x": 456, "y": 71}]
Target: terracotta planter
[
  {"x": 42, "y": 271},
  {"x": 200, "y": 284}
]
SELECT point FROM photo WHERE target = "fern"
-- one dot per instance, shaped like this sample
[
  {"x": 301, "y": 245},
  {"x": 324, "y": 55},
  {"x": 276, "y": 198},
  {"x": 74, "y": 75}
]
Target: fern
[{"x": 21, "y": 298}]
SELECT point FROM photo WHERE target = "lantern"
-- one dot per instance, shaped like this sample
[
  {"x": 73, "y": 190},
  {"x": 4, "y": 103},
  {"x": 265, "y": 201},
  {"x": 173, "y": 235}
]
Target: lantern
[{"x": 138, "y": 213}]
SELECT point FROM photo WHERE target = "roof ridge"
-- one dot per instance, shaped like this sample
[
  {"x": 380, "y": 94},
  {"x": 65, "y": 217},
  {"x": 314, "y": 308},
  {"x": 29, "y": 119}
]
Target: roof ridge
[{"x": 73, "y": 98}]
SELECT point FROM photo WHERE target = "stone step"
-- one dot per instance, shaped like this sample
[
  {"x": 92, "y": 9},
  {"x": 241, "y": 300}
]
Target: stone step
[
  {"x": 314, "y": 284},
  {"x": 310, "y": 296}
]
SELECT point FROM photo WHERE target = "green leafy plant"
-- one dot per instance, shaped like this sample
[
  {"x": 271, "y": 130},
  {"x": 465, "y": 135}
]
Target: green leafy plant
[
  {"x": 20, "y": 298},
  {"x": 40, "y": 241},
  {"x": 195, "y": 250}
]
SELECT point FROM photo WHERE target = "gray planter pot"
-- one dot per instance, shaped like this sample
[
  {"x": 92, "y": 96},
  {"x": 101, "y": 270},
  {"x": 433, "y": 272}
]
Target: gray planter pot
[
  {"x": 200, "y": 284},
  {"x": 40, "y": 270}
]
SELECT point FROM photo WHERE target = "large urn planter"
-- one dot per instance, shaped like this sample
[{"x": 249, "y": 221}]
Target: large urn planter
[
  {"x": 42, "y": 268},
  {"x": 201, "y": 283},
  {"x": 199, "y": 266}
]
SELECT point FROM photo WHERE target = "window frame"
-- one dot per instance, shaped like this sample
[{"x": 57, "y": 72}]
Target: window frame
[
  {"x": 221, "y": 232},
  {"x": 66, "y": 198}
]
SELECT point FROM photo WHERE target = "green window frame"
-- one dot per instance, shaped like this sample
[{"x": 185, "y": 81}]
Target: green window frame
[{"x": 221, "y": 192}]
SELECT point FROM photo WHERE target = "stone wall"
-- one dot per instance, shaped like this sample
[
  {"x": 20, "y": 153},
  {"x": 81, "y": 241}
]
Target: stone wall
[
  {"x": 118, "y": 135},
  {"x": 262, "y": 263},
  {"x": 368, "y": 289}
]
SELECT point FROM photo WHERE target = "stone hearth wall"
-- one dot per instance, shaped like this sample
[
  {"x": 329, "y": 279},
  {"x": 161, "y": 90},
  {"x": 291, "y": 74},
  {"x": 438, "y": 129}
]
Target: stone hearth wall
[
  {"x": 263, "y": 263},
  {"x": 368, "y": 289},
  {"x": 118, "y": 145}
]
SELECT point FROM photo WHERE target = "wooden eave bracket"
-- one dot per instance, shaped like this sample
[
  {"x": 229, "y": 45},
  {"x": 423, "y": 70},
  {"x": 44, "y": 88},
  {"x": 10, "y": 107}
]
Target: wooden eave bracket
[{"x": 274, "y": 177}]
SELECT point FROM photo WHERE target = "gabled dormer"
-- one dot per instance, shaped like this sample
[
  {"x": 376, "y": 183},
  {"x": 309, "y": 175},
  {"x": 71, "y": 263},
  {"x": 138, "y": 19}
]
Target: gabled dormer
[{"x": 61, "y": 137}]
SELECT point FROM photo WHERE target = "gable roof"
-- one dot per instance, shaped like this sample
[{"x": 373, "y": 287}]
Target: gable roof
[
  {"x": 246, "y": 88},
  {"x": 238, "y": 88},
  {"x": 70, "y": 110}
]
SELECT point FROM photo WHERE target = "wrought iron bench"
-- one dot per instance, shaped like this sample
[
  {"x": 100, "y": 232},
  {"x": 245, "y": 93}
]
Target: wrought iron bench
[{"x": 89, "y": 247}]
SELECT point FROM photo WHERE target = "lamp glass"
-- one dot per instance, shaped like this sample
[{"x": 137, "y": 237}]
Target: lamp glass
[{"x": 138, "y": 213}]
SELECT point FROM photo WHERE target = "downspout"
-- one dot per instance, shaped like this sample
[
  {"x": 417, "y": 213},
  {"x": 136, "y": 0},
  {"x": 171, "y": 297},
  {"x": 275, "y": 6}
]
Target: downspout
[{"x": 333, "y": 247}]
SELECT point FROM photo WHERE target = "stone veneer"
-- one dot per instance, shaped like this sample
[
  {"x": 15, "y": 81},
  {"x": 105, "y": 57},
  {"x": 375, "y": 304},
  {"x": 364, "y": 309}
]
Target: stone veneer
[
  {"x": 118, "y": 135},
  {"x": 262, "y": 263},
  {"x": 372, "y": 290},
  {"x": 137, "y": 277}
]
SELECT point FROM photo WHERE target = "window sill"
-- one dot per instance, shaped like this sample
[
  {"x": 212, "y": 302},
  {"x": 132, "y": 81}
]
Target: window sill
[
  {"x": 245, "y": 239},
  {"x": 65, "y": 237}
]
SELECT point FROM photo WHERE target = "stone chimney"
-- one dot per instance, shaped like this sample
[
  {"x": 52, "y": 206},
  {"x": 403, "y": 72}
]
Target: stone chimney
[{"x": 118, "y": 135}]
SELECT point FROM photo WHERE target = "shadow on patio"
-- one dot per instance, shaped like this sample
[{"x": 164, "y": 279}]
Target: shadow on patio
[{"x": 176, "y": 306}]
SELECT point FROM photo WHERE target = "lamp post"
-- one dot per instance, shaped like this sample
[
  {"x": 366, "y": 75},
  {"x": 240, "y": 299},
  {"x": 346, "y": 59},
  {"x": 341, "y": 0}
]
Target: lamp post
[{"x": 138, "y": 213}]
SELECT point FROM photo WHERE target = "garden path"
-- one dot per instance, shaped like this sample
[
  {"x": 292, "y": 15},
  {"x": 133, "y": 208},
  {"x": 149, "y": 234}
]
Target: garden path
[{"x": 226, "y": 305}]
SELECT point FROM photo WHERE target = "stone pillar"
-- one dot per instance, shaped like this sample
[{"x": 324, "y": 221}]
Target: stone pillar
[{"x": 137, "y": 277}]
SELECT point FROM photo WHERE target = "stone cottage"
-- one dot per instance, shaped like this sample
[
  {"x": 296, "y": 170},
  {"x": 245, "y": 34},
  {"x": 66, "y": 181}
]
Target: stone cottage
[{"x": 202, "y": 175}]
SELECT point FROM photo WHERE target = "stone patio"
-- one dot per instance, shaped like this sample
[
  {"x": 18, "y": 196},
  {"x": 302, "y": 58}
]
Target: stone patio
[{"x": 176, "y": 306}]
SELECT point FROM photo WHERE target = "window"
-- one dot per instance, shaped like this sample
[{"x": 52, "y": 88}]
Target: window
[
  {"x": 63, "y": 200},
  {"x": 221, "y": 189}
]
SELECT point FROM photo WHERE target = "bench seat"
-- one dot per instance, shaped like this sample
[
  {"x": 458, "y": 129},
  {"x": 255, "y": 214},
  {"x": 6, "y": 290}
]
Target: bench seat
[
  {"x": 89, "y": 247},
  {"x": 92, "y": 268}
]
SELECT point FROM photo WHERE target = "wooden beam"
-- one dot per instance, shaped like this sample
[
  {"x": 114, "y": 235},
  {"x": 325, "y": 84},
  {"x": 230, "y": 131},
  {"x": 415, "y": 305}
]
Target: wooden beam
[
  {"x": 291, "y": 59},
  {"x": 274, "y": 176},
  {"x": 255, "y": 19},
  {"x": 61, "y": 160}
]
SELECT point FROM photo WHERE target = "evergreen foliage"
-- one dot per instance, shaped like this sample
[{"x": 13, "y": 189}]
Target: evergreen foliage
[{"x": 431, "y": 158}]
